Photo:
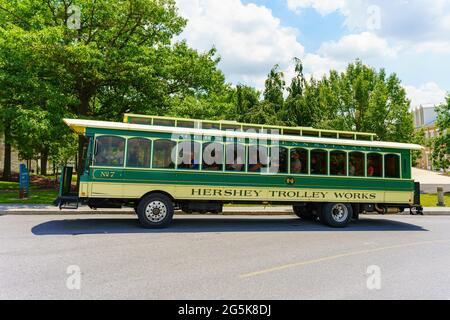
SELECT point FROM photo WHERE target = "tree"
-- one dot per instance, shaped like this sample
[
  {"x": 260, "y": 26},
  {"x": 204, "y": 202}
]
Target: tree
[
  {"x": 441, "y": 144},
  {"x": 418, "y": 138},
  {"x": 17, "y": 87},
  {"x": 359, "y": 99},
  {"x": 247, "y": 99},
  {"x": 269, "y": 110},
  {"x": 274, "y": 89},
  {"x": 213, "y": 107},
  {"x": 296, "y": 110},
  {"x": 120, "y": 57}
]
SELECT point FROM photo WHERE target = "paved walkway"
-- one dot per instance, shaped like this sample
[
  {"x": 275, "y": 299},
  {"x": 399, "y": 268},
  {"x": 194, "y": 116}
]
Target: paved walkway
[{"x": 430, "y": 180}]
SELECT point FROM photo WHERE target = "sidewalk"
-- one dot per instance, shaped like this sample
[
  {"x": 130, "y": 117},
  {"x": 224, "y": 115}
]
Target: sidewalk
[
  {"x": 430, "y": 180},
  {"x": 23, "y": 209}
]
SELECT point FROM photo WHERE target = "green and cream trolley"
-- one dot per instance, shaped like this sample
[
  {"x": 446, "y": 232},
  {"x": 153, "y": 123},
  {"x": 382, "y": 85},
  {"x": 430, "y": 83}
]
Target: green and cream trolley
[{"x": 160, "y": 164}]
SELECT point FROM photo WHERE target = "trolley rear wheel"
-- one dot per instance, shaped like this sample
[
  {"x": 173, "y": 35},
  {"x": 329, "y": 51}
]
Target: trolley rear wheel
[{"x": 336, "y": 215}]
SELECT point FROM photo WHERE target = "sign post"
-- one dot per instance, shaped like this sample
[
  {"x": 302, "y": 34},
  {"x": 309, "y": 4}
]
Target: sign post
[{"x": 24, "y": 182}]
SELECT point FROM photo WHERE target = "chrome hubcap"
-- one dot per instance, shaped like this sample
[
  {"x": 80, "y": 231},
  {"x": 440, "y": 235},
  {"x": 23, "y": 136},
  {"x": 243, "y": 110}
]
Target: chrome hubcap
[
  {"x": 339, "y": 212},
  {"x": 156, "y": 211}
]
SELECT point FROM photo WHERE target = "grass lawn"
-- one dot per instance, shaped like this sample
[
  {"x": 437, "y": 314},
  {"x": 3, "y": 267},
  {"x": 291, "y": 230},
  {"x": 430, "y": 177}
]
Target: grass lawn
[
  {"x": 6, "y": 185},
  {"x": 36, "y": 197},
  {"x": 9, "y": 194},
  {"x": 430, "y": 200}
]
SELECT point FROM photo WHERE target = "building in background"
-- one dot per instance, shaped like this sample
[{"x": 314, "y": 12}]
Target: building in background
[{"x": 425, "y": 118}]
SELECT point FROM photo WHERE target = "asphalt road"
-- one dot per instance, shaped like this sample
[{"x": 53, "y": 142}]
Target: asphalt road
[{"x": 219, "y": 257}]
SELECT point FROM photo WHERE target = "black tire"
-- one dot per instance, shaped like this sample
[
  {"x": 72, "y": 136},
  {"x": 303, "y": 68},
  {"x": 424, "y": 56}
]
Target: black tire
[
  {"x": 336, "y": 215},
  {"x": 304, "y": 212},
  {"x": 155, "y": 211}
]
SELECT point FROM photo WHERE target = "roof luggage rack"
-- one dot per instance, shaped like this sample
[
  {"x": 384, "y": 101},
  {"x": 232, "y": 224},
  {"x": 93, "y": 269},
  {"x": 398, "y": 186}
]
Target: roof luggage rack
[{"x": 226, "y": 125}]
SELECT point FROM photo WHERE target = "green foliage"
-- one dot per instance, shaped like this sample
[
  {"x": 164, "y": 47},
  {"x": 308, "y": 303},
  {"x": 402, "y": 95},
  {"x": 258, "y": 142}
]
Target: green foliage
[
  {"x": 123, "y": 58},
  {"x": 270, "y": 109},
  {"x": 274, "y": 89},
  {"x": 247, "y": 99},
  {"x": 213, "y": 107},
  {"x": 441, "y": 144},
  {"x": 418, "y": 138},
  {"x": 296, "y": 111},
  {"x": 359, "y": 99},
  {"x": 443, "y": 115}
]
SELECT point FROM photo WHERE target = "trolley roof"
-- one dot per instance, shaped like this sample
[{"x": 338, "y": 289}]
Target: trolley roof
[{"x": 79, "y": 126}]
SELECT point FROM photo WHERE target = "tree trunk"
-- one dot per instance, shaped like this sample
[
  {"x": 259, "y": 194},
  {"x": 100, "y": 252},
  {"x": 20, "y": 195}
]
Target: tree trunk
[
  {"x": 7, "y": 157},
  {"x": 44, "y": 162}
]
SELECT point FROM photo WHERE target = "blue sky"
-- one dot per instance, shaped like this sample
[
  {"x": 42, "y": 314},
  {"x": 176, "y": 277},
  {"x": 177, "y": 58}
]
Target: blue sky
[
  {"x": 408, "y": 37},
  {"x": 314, "y": 28}
]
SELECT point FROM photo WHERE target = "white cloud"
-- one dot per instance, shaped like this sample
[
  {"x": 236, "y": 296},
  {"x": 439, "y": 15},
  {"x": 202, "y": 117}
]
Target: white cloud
[
  {"x": 420, "y": 25},
  {"x": 318, "y": 66},
  {"x": 426, "y": 95},
  {"x": 365, "y": 45},
  {"x": 324, "y": 7},
  {"x": 433, "y": 47},
  {"x": 446, "y": 23},
  {"x": 249, "y": 39}
]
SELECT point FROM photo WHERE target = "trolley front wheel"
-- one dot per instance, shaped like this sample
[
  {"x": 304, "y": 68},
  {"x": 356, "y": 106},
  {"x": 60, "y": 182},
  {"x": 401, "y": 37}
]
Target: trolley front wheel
[{"x": 155, "y": 211}]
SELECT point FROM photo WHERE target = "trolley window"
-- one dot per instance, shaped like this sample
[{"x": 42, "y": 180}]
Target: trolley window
[
  {"x": 357, "y": 164},
  {"x": 189, "y": 155},
  {"x": 299, "y": 161},
  {"x": 162, "y": 154},
  {"x": 109, "y": 151},
  {"x": 391, "y": 166},
  {"x": 212, "y": 156},
  {"x": 319, "y": 162},
  {"x": 278, "y": 160},
  {"x": 257, "y": 158},
  {"x": 375, "y": 165},
  {"x": 235, "y": 157},
  {"x": 338, "y": 163},
  {"x": 138, "y": 153}
]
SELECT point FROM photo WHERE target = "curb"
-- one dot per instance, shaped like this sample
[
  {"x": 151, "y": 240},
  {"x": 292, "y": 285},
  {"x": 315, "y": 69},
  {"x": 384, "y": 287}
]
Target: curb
[
  {"x": 46, "y": 213},
  {"x": 30, "y": 210},
  {"x": 131, "y": 212},
  {"x": 437, "y": 213}
]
